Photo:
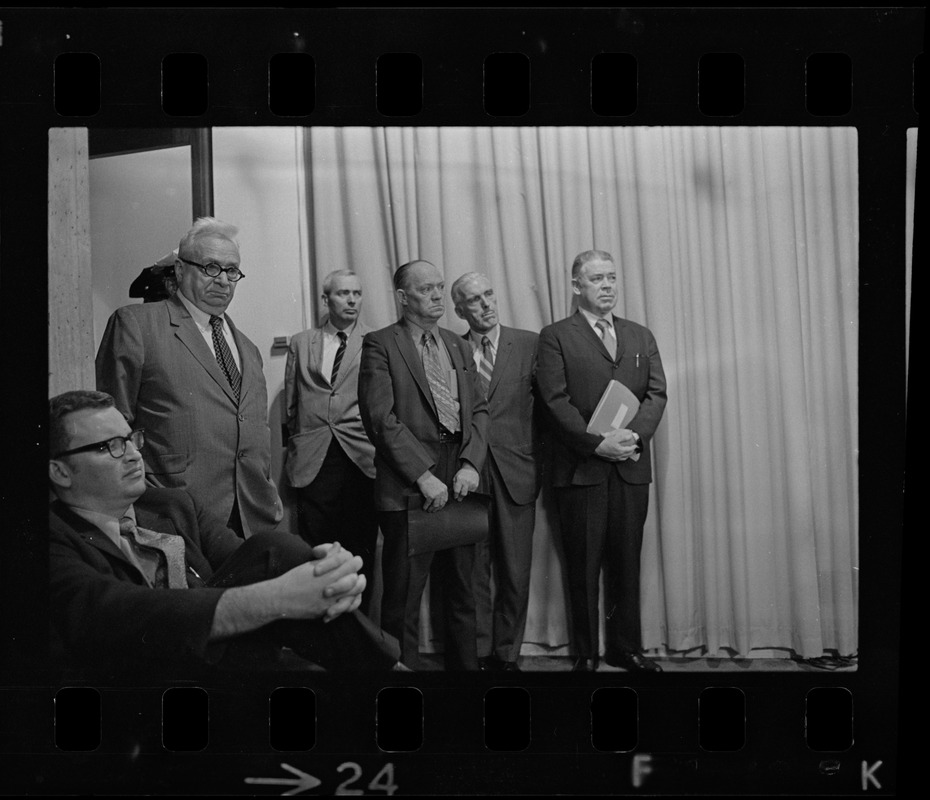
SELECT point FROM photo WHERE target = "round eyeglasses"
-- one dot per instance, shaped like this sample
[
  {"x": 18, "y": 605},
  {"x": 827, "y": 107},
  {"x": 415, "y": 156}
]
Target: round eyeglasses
[
  {"x": 116, "y": 446},
  {"x": 213, "y": 270}
]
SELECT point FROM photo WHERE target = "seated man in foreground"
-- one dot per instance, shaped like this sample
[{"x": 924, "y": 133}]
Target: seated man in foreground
[{"x": 120, "y": 550}]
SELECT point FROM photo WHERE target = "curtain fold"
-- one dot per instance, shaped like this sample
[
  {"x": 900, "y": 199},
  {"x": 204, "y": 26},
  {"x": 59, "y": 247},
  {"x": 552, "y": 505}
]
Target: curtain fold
[{"x": 738, "y": 247}]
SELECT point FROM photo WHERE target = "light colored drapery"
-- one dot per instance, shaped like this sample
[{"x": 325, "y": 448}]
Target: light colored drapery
[{"x": 738, "y": 248}]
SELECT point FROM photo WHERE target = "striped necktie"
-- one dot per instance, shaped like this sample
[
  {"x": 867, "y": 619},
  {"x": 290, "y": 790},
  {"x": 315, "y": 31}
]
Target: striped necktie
[
  {"x": 224, "y": 356},
  {"x": 607, "y": 336},
  {"x": 339, "y": 354},
  {"x": 485, "y": 365},
  {"x": 438, "y": 385}
]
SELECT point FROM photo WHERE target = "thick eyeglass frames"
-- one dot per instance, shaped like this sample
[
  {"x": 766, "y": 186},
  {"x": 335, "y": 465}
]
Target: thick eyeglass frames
[
  {"x": 213, "y": 270},
  {"x": 115, "y": 446}
]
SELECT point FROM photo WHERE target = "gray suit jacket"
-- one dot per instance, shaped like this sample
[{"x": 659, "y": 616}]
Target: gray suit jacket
[
  {"x": 317, "y": 411},
  {"x": 512, "y": 435},
  {"x": 157, "y": 366}
]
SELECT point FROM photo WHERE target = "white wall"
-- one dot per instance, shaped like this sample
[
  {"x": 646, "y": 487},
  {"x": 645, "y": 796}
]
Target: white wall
[
  {"x": 140, "y": 206},
  {"x": 256, "y": 173}
]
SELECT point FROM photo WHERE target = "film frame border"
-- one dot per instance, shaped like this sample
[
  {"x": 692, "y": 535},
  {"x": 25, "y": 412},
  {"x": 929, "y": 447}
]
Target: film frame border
[{"x": 882, "y": 110}]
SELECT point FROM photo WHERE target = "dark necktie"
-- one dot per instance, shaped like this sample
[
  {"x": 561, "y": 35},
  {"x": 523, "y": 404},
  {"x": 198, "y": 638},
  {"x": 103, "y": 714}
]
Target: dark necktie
[
  {"x": 224, "y": 356},
  {"x": 339, "y": 354},
  {"x": 485, "y": 365},
  {"x": 175, "y": 576},
  {"x": 607, "y": 336},
  {"x": 439, "y": 386}
]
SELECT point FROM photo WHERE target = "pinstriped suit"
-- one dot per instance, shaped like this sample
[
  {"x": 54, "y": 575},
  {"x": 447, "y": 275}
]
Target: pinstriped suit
[{"x": 156, "y": 364}]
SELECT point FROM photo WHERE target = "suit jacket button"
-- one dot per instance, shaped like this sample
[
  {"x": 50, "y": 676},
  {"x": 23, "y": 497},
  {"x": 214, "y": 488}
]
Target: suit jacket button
[
  {"x": 242, "y": 418},
  {"x": 242, "y": 454}
]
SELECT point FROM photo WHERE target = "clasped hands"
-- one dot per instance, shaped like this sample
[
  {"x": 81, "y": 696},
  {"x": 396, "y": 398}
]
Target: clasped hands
[
  {"x": 326, "y": 587},
  {"x": 436, "y": 493},
  {"x": 618, "y": 445}
]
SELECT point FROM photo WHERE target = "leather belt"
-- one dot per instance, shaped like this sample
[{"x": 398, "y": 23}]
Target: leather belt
[{"x": 445, "y": 437}]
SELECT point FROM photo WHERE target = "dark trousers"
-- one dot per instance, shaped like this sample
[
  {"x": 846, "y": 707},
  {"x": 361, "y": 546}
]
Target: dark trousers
[
  {"x": 404, "y": 578},
  {"x": 509, "y": 552},
  {"x": 602, "y": 525},
  {"x": 339, "y": 506},
  {"x": 349, "y": 642}
]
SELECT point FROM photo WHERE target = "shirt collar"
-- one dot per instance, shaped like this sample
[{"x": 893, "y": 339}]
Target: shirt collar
[
  {"x": 105, "y": 522},
  {"x": 331, "y": 330},
  {"x": 202, "y": 318},
  {"x": 593, "y": 318},
  {"x": 494, "y": 335}
]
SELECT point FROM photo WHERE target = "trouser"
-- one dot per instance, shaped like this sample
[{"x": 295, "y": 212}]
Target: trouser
[
  {"x": 339, "y": 506},
  {"x": 404, "y": 578},
  {"x": 602, "y": 525},
  {"x": 509, "y": 548}
]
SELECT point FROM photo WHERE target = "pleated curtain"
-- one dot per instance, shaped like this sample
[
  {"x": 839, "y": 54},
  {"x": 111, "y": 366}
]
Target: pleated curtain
[{"x": 738, "y": 248}]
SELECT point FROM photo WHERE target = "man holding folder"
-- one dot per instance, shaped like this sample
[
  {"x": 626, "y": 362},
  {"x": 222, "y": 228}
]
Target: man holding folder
[
  {"x": 601, "y": 479},
  {"x": 427, "y": 418}
]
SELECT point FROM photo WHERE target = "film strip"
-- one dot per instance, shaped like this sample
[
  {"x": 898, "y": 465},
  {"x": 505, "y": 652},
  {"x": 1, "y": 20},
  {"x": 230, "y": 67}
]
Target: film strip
[{"x": 806, "y": 731}]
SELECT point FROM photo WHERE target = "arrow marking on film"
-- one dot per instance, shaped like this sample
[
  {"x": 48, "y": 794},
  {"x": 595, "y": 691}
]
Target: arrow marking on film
[{"x": 301, "y": 783}]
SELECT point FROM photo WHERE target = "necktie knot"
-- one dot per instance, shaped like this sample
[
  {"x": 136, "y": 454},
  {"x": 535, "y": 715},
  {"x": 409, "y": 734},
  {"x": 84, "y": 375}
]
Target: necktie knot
[
  {"x": 485, "y": 342},
  {"x": 127, "y": 527},
  {"x": 216, "y": 322},
  {"x": 342, "y": 336},
  {"x": 340, "y": 351}
]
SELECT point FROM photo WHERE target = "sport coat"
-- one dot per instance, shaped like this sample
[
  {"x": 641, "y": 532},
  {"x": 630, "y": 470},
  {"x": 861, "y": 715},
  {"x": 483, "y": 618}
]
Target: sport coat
[
  {"x": 156, "y": 364},
  {"x": 100, "y": 601},
  {"x": 573, "y": 370},
  {"x": 317, "y": 411},
  {"x": 400, "y": 416},
  {"x": 512, "y": 435}
]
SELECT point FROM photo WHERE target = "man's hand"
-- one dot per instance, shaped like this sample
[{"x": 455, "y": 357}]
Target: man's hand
[
  {"x": 465, "y": 481},
  {"x": 617, "y": 445},
  {"x": 435, "y": 492},
  {"x": 302, "y": 594}
]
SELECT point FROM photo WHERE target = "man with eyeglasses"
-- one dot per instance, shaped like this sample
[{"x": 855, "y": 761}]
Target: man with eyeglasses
[
  {"x": 120, "y": 549},
  {"x": 180, "y": 369}
]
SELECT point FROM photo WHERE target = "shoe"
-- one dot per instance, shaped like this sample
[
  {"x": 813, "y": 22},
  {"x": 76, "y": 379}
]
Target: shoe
[
  {"x": 488, "y": 664},
  {"x": 632, "y": 662},
  {"x": 582, "y": 664},
  {"x": 509, "y": 666}
]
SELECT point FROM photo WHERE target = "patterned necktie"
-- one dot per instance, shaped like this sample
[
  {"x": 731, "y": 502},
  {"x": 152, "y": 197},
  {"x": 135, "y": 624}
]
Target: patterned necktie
[
  {"x": 439, "y": 386},
  {"x": 607, "y": 336},
  {"x": 224, "y": 356},
  {"x": 485, "y": 365},
  {"x": 339, "y": 354},
  {"x": 171, "y": 546}
]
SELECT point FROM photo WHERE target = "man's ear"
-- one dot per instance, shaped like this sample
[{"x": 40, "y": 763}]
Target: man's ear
[
  {"x": 401, "y": 296},
  {"x": 575, "y": 288},
  {"x": 59, "y": 473},
  {"x": 458, "y": 312}
]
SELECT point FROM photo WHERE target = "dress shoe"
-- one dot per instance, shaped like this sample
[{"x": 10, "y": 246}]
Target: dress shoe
[
  {"x": 509, "y": 666},
  {"x": 488, "y": 664},
  {"x": 582, "y": 664},
  {"x": 632, "y": 662}
]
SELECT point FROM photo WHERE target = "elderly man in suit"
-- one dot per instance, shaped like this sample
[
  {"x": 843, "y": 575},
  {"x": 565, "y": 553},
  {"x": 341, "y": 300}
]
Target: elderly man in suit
[
  {"x": 505, "y": 359},
  {"x": 601, "y": 482},
  {"x": 122, "y": 551},
  {"x": 180, "y": 369},
  {"x": 330, "y": 461},
  {"x": 424, "y": 412}
]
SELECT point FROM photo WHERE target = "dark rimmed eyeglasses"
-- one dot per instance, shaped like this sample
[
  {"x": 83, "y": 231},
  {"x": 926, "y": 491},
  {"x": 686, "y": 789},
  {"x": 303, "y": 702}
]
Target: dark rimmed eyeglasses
[
  {"x": 116, "y": 446},
  {"x": 213, "y": 270}
]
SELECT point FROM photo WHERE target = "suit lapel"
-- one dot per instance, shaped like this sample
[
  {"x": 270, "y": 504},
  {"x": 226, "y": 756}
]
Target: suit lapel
[
  {"x": 504, "y": 350},
  {"x": 92, "y": 535},
  {"x": 315, "y": 355},
  {"x": 247, "y": 367},
  {"x": 353, "y": 347},
  {"x": 621, "y": 339},
  {"x": 409, "y": 353},
  {"x": 189, "y": 334},
  {"x": 587, "y": 332}
]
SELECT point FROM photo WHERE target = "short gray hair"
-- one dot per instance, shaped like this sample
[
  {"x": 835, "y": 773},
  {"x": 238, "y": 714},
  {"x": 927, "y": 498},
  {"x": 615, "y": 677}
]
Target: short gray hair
[
  {"x": 457, "y": 292},
  {"x": 207, "y": 228},
  {"x": 331, "y": 278}
]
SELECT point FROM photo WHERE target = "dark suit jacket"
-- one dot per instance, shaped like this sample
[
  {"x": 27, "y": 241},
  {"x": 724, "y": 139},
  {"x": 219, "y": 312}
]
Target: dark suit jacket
[
  {"x": 99, "y": 601},
  {"x": 572, "y": 372},
  {"x": 317, "y": 411},
  {"x": 157, "y": 366},
  {"x": 512, "y": 435},
  {"x": 399, "y": 414}
]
